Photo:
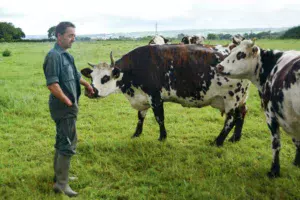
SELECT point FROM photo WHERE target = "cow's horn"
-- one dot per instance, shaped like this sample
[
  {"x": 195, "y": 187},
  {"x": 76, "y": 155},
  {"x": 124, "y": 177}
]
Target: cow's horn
[
  {"x": 250, "y": 44},
  {"x": 112, "y": 62},
  {"x": 92, "y": 65}
]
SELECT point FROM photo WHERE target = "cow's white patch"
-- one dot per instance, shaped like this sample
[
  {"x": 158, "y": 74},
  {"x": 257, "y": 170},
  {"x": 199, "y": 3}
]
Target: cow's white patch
[
  {"x": 140, "y": 100},
  {"x": 291, "y": 110}
]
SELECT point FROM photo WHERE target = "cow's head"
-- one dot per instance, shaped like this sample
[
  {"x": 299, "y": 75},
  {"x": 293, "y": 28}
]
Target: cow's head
[
  {"x": 104, "y": 78},
  {"x": 186, "y": 40},
  {"x": 241, "y": 62},
  {"x": 197, "y": 40},
  {"x": 192, "y": 39}
]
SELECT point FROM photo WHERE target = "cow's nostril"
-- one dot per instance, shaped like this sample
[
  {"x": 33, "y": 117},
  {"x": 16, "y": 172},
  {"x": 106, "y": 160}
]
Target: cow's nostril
[
  {"x": 95, "y": 91},
  {"x": 220, "y": 68}
]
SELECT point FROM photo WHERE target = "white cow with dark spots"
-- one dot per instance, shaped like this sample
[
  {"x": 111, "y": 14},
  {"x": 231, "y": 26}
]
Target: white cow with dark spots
[{"x": 276, "y": 74}]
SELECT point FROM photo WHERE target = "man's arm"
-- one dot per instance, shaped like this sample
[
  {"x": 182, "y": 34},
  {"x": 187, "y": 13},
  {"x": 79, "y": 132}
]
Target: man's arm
[
  {"x": 88, "y": 87},
  {"x": 56, "y": 90}
]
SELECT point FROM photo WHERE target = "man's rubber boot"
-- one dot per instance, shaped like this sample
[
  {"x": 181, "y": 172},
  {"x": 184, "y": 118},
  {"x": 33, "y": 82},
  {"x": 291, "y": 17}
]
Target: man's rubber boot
[{"x": 62, "y": 176}]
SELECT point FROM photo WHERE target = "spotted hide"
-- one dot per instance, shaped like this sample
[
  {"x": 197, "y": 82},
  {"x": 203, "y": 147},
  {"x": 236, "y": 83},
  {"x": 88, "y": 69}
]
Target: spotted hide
[
  {"x": 276, "y": 74},
  {"x": 151, "y": 75},
  {"x": 192, "y": 39}
]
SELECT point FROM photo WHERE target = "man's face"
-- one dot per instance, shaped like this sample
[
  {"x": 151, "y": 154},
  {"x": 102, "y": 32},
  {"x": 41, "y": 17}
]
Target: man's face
[{"x": 66, "y": 40}]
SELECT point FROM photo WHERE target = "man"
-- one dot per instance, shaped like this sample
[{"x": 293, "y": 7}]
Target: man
[{"x": 63, "y": 81}]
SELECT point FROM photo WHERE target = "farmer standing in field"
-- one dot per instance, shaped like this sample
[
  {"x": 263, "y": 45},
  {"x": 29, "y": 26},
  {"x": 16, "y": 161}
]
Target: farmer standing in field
[{"x": 63, "y": 80}]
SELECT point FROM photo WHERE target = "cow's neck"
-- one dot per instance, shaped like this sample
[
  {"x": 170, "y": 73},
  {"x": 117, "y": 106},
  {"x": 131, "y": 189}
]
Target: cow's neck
[{"x": 266, "y": 62}]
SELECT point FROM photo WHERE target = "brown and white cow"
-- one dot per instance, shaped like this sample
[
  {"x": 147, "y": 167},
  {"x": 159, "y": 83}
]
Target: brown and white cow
[
  {"x": 158, "y": 40},
  {"x": 192, "y": 39},
  {"x": 276, "y": 74},
  {"x": 151, "y": 75}
]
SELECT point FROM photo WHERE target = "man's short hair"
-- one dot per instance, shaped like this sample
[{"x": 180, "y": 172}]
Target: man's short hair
[{"x": 62, "y": 27}]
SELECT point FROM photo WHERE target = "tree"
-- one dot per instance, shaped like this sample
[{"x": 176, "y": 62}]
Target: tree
[
  {"x": 224, "y": 36},
  {"x": 212, "y": 36},
  {"x": 8, "y": 32},
  {"x": 51, "y": 32},
  {"x": 18, "y": 34},
  {"x": 293, "y": 33},
  {"x": 180, "y": 36}
]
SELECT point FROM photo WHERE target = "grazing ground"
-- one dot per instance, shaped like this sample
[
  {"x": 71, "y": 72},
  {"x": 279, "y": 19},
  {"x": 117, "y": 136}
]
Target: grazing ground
[{"x": 111, "y": 165}]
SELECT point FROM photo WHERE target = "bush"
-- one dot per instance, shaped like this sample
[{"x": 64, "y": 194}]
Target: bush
[{"x": 6, "y": 53}]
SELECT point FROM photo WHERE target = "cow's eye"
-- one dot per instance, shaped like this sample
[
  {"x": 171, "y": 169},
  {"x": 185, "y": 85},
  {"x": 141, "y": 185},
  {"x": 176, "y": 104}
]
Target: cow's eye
[
  {"x": 240, "y": 55},
  {"x": 105, "y": 79}
]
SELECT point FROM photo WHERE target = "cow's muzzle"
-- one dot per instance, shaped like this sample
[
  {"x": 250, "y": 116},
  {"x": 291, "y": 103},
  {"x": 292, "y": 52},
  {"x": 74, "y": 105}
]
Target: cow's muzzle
[
  {"x": 220, "y": 68},
  {"x": 95, "y": 95}
]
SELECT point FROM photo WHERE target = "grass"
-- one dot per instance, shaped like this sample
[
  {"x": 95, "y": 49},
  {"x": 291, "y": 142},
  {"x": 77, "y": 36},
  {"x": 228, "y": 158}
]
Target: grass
[{"x": 109, "y": 164}]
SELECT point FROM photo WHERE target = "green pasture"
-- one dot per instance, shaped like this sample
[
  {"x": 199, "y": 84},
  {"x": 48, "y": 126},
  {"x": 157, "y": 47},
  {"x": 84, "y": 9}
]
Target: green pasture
[{"x": 111, "y": 165}]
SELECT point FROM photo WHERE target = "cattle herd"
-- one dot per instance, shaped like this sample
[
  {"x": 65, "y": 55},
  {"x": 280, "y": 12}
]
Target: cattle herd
[{"x": 196, "y": 75}]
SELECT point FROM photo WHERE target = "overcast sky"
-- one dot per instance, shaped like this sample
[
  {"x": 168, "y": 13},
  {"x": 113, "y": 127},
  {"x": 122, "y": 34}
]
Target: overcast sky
[{"x": 35, "y": 17}]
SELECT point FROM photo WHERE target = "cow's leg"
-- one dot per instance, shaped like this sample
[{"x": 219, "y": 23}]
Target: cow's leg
[
  {"x": 139, "y": 127},
  {"x": 297, "y": 157},
  {"x": 158, "y": 109},
  {"x": 274, "y": 127},
  {"x": 228, "y": 125},
  {"x": 239, "y": 122}
]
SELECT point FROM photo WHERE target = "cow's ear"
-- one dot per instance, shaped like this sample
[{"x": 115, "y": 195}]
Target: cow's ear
[
  {"x": 116, "y": 72},
  {"x": 86, "y": 72},
  {"x": 236, "y": 40},
  {"x": 232, "y": 46},
  {"x": 254, "y": 50}
]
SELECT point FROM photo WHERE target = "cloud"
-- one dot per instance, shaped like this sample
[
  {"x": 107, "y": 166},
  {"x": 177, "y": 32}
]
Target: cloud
[{"x": 94, "y": 16}]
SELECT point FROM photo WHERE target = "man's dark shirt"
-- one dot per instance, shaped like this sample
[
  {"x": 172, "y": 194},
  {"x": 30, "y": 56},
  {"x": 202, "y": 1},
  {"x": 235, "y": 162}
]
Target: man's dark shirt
[{"x": 59, "y": 67}]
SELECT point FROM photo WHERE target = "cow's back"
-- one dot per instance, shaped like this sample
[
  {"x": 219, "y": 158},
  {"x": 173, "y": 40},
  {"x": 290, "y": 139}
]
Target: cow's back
[{"x": 184, "y": 68}]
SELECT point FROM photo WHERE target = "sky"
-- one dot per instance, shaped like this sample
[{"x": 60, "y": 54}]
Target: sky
[{"x": 35, "y": 17}]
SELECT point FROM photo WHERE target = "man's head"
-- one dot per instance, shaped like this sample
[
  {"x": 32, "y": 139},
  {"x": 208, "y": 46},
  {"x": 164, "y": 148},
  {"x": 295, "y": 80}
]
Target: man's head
[{"x": 65, "y": 34}]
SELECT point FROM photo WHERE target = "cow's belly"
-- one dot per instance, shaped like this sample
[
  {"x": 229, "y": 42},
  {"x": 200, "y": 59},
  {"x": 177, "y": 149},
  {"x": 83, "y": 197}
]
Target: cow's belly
[
  {"x": 225, "y": 97},
  {"x": 291, "y": 111},
  {"x": 208, "y": 99}
]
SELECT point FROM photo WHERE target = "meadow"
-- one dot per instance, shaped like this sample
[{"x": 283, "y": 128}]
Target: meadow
[{"x": 111, "y": 165}]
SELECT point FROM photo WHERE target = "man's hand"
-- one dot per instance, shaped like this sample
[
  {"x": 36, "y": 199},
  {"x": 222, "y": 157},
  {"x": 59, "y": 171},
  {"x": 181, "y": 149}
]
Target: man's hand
[
  {"x": 90, "y": 90},
  {"x": 56, "y": 90}
]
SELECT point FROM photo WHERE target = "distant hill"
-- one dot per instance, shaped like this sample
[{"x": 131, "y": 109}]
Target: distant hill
[{"x": 171, "y": 33}]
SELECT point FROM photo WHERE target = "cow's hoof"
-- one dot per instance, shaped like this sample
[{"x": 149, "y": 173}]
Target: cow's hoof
[
  {"x": 162, "y": 139},
  {"x": 296, "y": 163},
  {"x": 234, "y": 139},
  {"x": 135, "y": 135},
  {"x": 273, "y": 174},
  {"x": 216, "y": 143}
]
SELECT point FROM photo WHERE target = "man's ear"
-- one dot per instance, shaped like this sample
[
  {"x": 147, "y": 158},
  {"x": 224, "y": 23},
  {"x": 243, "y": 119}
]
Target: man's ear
[
  {"x": 86, "y": 72},
  {"x": 116, "y": 72}
]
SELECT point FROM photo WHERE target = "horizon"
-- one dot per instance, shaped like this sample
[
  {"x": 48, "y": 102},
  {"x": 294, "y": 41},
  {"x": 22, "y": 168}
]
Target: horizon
[{"x": 255, "y": 30}]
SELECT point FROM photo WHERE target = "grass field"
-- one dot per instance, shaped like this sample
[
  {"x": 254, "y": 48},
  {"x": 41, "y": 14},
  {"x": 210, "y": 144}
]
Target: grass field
[{"x": 111, "y": 165}]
